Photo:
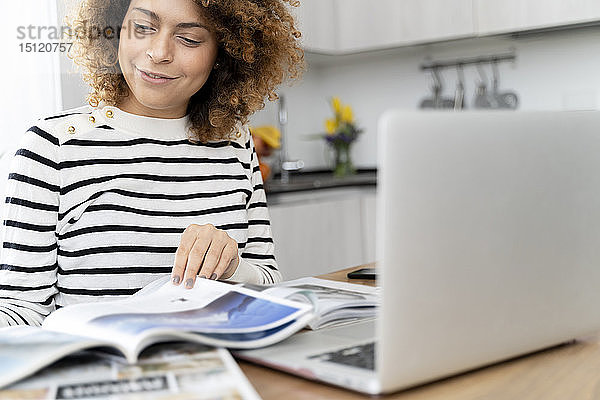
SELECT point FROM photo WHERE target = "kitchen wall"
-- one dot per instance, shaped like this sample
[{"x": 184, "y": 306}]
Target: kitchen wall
[{"x": 553, "y": 71}]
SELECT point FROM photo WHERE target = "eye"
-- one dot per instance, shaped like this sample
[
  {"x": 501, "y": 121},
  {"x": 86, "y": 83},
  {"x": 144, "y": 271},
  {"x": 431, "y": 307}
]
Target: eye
[
  {"x": 142, "y": 28},
  {"x": 189, "y": 41}
]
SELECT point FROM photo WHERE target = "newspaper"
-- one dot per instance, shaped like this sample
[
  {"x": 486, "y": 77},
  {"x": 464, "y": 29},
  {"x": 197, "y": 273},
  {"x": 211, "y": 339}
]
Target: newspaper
[
  {"x": 335, "y": 303},
  {"x": 164, "y": 371},
  {"x": 212, "y": 313}
]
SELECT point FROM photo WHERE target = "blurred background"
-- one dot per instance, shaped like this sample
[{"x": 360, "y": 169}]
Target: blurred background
[{"x": 371, "y": 55}]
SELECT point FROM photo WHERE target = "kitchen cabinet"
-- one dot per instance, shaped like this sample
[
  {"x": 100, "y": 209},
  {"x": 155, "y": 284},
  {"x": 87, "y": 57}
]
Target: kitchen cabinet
[
  {"x": 347, "y": 26},
  {"x": 352, "y": 26},
  {"x": 506, "y": 16},
  {"x": 366, "y": 25},
  {"x": 321, "y": 231},
  {"x": 316, "y": 21},
  {"x": 369, "y": 221}
]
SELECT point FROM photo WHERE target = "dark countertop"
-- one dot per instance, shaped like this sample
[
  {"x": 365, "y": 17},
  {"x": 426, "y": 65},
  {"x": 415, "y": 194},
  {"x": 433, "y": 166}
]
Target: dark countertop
[{"x": 320, "y": 179}]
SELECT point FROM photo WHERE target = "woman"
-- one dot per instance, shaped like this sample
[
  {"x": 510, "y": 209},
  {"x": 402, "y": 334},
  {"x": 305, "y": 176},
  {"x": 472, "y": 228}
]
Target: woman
[{"x": 159, "y": 176}]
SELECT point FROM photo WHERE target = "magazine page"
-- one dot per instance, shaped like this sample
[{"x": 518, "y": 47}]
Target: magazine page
[
  {"x": 241, "y": 340},
  {"x": 174, "y": 371},
  {"x": 211, "y": 308},
  {"x": 25, "y": 349},
  {"x": 336, "y": 302}
]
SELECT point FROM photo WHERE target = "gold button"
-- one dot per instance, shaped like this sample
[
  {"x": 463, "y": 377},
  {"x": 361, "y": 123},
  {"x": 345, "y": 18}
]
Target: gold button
[
  {"x": 238, "y": 134},
  {"x": 109, "y": 113},
  {"x": 92, "y": 119},
  {"x": 71, "y": 129}
]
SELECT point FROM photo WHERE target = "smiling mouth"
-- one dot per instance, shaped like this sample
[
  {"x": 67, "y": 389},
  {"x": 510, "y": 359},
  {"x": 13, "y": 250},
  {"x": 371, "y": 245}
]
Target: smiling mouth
[{"x": 155, "y": 76}]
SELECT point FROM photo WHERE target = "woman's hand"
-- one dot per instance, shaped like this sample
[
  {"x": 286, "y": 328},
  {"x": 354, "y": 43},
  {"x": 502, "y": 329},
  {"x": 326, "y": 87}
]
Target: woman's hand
[{"x": 204, "y": 251}]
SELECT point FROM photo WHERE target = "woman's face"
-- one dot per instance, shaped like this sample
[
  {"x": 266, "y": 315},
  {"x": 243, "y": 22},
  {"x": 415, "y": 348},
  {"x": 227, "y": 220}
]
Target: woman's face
[{"x": 166, "y": 53}]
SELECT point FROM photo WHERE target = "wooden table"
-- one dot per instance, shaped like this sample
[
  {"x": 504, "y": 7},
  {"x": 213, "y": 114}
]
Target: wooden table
[{"x": 565, "y": 372}]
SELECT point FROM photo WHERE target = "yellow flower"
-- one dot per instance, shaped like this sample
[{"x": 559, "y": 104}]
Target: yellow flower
[
  {"x": 330, "y": 126},
  {"x": 347, "y": 114},
  {"x": 336, "y": 104}
]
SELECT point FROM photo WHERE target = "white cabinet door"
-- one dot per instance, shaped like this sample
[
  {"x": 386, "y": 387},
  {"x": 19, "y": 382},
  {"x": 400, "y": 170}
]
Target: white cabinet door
[
  {"x": 518, "y": 15},
  {"x": 369, "y": 222},
  {"x": 316, "y": 20},
  {"x": 314, "y": 237},
  {"x": 367, "y": 25}
]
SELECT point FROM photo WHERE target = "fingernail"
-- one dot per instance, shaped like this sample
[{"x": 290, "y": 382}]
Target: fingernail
[
  {"x": 202, "y": 276},
  {"x": 176, "y": 280},
  {"x": 189, "y": 283},
  {"x": 213, "y": 276}
]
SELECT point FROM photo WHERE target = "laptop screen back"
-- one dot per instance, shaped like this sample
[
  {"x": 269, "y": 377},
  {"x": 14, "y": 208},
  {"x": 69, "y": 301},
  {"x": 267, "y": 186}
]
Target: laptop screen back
[{"x": 488, "y": 237}]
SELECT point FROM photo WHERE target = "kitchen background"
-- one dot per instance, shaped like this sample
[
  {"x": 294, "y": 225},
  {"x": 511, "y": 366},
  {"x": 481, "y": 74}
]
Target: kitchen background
[
  {"x": 369, "y": 54},
  {"x": 553, "y": 70}
]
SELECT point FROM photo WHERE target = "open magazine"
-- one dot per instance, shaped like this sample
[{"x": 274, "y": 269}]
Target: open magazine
[
  {"x": 213, "y": 313},
  {"x": 335, "y": 303},
  {"x": 179, "y": 371}
]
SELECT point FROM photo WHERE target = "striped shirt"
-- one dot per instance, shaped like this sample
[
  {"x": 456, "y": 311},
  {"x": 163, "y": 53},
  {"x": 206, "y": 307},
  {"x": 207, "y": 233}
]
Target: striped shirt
[{"x": 97, "y": 200}]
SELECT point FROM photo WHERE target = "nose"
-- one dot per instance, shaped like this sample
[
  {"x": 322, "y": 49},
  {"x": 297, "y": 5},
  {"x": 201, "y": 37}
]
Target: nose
[{"x": 160, "y": 51}]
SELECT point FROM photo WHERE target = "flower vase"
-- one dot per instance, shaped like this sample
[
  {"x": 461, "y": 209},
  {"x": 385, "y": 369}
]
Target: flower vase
[{"x": 343, "y": 162}]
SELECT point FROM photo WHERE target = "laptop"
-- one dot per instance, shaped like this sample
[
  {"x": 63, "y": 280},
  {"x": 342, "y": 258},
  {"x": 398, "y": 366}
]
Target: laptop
[{"x": 488, "y": 248}]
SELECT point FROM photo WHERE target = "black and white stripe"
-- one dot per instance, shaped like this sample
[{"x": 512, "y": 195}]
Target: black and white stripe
[{"x": 99, "y": 214}]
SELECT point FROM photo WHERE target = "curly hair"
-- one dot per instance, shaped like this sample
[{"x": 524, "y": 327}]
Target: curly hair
[{"x": 258, "y": 50}]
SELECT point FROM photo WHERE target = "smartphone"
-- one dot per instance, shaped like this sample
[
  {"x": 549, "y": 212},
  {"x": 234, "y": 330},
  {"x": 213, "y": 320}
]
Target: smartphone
[{"x": 363, "y": 273}]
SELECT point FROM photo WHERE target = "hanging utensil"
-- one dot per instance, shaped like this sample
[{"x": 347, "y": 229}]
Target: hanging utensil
[
  {"x": 459, "y": 94},
  {"x": 507, "y": 100},
  {"x": 443, "y": 102},
  {"x": 483, "y": 99},
  {"x": 436, "y": 100},
  {"x": 436, "y": 88}
]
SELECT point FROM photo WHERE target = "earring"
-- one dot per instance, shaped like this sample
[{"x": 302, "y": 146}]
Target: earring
[{"x": 216, "y": 66}]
